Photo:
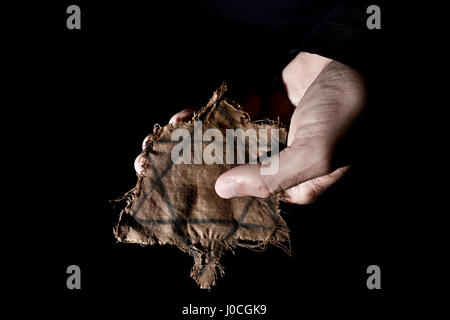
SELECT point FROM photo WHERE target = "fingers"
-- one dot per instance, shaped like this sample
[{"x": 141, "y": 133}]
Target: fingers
[
  {"x": 139, "y": 164},
  {"x": 295, "y": 166},
  {"x": 308, "y": 191},
  {"x": 183, "y": 115}
]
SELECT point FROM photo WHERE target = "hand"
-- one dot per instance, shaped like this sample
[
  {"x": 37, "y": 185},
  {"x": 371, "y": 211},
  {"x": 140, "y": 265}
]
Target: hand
[{"x": 324, "y": 98}]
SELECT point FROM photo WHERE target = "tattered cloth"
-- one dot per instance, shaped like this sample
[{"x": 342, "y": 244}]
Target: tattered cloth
[{"x": 177, "y": 203}]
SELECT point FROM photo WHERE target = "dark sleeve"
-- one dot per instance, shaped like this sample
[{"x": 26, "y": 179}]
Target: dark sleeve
[{"x": 344, "y": 36}]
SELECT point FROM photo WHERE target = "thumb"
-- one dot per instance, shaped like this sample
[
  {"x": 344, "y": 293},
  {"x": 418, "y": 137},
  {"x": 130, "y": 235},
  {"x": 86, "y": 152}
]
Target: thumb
[{"x": 295, "y": 166}]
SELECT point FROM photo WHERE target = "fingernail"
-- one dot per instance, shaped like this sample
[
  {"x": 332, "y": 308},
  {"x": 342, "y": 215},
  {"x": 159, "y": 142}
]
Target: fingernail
[
  {"x": 174, "y": 119},
  {"x": 226, "y": 189}
]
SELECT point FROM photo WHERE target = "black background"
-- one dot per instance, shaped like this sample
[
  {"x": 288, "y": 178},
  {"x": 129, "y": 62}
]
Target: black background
[{"x": 94, "y": 94}]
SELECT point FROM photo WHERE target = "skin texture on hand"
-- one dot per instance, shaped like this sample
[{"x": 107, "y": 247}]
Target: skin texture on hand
[
  {"x": 323, "y": 114},
  {"x": 300, "y": 73},
  {"x": 324, "y": 98}
]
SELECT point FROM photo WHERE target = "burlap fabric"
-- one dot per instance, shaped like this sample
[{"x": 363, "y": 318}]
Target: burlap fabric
[{"x": 176, "y": 203}]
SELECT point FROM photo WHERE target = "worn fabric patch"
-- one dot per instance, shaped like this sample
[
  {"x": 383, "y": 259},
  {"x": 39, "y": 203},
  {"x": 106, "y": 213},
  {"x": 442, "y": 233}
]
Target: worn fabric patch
[{"x": 177, "y": 203}]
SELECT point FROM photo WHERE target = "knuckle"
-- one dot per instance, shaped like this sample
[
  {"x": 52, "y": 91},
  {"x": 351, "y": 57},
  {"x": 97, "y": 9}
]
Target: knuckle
[
  {"x": 269, "y": 188},
  {"x": 263, "y": 191}
]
